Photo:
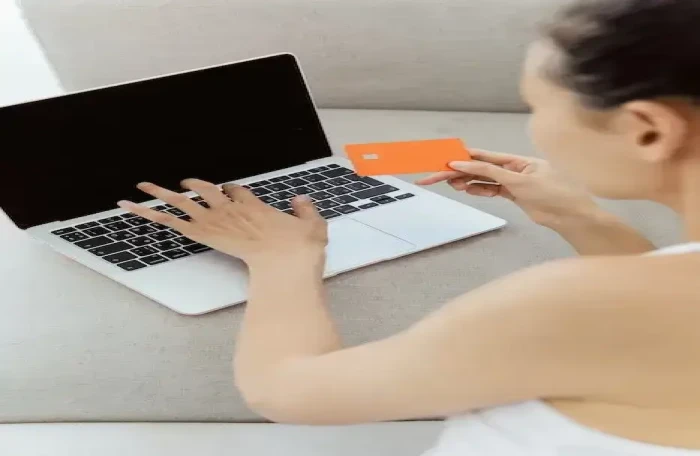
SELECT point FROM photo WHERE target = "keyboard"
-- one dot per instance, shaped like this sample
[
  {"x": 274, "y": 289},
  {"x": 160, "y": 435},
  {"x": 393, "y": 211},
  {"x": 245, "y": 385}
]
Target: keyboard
[{"x": 132, "y": 242}]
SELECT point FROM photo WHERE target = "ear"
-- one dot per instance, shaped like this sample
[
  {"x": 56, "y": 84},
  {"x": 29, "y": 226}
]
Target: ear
[{"x": 658, "y": 130}]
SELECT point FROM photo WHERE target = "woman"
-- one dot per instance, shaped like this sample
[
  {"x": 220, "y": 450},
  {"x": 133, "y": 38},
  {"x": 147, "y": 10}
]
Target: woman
[{"x": 608, "y": 361}]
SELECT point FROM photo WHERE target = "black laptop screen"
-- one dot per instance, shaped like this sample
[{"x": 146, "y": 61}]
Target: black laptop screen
[{"x": 79, "y": 154}]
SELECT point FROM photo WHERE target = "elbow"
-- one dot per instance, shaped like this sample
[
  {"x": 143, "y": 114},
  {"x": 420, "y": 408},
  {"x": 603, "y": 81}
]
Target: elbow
[
  {"x": 269, "y": 402},
  {"x": 279, "y": 405},
  {"x": 276, "y": 410}
]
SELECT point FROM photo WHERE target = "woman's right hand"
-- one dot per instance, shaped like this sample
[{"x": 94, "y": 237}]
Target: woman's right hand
[{"x": 531, "y": 183}]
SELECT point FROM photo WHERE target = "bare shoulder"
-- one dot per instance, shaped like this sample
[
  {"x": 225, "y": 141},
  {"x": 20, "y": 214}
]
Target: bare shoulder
[
  {"x": 594, "y": 282},
  {"x": 628, "y": 282},
  {"x": 595, "y": 310}
]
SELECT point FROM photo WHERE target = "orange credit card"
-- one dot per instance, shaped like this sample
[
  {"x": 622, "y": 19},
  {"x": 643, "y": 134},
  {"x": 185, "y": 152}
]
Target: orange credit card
[{"x": 406, "y": 157}]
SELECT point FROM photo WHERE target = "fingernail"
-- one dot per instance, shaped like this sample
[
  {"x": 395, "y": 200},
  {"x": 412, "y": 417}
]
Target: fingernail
[
  {"x": 143, "y": 184},
  {"x": 457, "y": 163},
  {"x": 303, "y": 198},
  {"x": 124, "y": 203}
]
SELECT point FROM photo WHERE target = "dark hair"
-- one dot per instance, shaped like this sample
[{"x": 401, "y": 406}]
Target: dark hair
[{"x": 615, "y": 51}]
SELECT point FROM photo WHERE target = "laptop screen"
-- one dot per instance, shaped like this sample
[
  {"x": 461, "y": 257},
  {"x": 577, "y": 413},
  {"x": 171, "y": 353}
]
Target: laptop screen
[{"x": 79, "y": 154}]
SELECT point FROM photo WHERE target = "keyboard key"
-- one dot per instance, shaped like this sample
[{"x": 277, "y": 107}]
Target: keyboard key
[
  {"x": 375, "y": 191},
  {"x": 281, "y": 205},
  {"x": 159, "y": 226},
  {"x": 261, "y": 191},
  {"x": 263, "y": 183},
  {"x": 98, "y": 231},
  {"x": 162, "y": 207},
  {"x": 163, "y": 235},
  {"x": 320, "y": 195},
  {"x": 339, "y": 191},
  {"x": 143, "y": 230},
  {"x": 369, "y": 206},
  {"x": 278, "y": 187},
  {"x": 284, "y": 178},
  {"x": 85, "y": 226},
  {"x": 319, "y": 169},
  {"x": 107, "y": 220},
  {"x": 386, "y": 200},
  {"x": 276, "y": 179},
  {"x": 131, "y": 265},
  {"x": 118, "y": 226},
  {"x": 176, "y": 212},
  {"x": 184, "y": 241},
  {"x": 337, "y": 172},
  {"x": 204, "y": 204},
  {"x": 329, "y": 214},
  {"x": 405, "y": 196},
  {"x": 371, "y": 182},
  {"x": 338, "y": 181},
  {"x": 346, "y": 199},
  {"x": 256, "y": 184},
  {"x": 300, "y": 174},
  {"x": 320, "y": 186},
  {"x": 267, "y": 199},
  {"x": 138, "y": 221},
  {"x": 166, "y": 245},
  {"x": 197, "y": 199},
  {"x": 327, "y": 204},
  {"x": 301, "y": 190},
  {"x": 74, "y": 237},
  {"x": 284, "y": 195},
  {"x": 108, "y": 249},
  {"x": 122, "y": 235},
  {"x": 64, "y": 231},
  {"x": 333, "y": 166},
  {"x": 289, "y": 211},
  {"x": 141, "y": 241},
  {"x": 359, "y": 186},
  {"x": 120, "y": 257},
  {"x": 129, "y": 215},
  {"x": 366, "y": 180},
  {"x": 196, "y": 248},
  {"x": 347, "y": 209},
  {"x": 175, "y": 254},
  {"x": 296, "y": 182},
  {"x": 154, "y": 259},
  {"x": 315, "y": 178},
  {"x": 94, "y": 242},
  {"x": 144, "y": 251}
]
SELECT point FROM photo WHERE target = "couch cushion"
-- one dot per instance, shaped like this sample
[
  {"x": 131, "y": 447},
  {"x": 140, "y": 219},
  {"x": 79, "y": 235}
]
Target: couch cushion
[
  {"x": 389, "y": 439},
  {"x": 76, "y": 346},
  {"x": 408, "y": 54}
]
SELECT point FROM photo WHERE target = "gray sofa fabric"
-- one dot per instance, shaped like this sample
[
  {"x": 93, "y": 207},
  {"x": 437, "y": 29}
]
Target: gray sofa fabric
[
  {"x": 459, "y": 55},
  {"x": 75, "y": 346},
  {"x": 188, "y": 439}
]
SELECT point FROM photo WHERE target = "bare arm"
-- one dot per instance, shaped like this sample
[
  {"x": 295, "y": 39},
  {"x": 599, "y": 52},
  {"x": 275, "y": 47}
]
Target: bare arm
[
  {"x": 547, "y": 198},
  {"x": 597, "y": 232},
  {"x": 532, "y": 335},
  {"x": 568, "y": 329}
]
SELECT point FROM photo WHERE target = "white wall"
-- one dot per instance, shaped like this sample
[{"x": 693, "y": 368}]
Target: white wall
[{"x": 24, "y": 73}]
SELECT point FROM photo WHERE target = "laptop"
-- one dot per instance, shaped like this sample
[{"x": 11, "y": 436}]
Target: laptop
[{"x": 251, "y": 122}]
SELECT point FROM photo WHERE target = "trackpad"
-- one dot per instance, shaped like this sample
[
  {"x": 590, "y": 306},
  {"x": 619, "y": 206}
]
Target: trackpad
[{"x": 353, "y": 244}]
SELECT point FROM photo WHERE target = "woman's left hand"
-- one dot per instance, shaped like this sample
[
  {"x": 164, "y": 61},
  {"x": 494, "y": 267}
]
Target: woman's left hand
[{"x": 237, "y": 222}]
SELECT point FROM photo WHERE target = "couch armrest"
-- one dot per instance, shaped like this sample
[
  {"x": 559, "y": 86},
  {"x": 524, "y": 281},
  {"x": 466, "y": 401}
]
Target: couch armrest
[{"x": 187, "y": 439}]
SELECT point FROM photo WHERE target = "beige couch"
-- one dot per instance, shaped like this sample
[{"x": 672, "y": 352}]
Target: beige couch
[{"x": 75, "y": 347}]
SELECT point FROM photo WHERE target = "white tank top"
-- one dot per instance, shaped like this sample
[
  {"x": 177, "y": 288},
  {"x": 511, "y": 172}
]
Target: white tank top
[{"x": 535, "y": 429}]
